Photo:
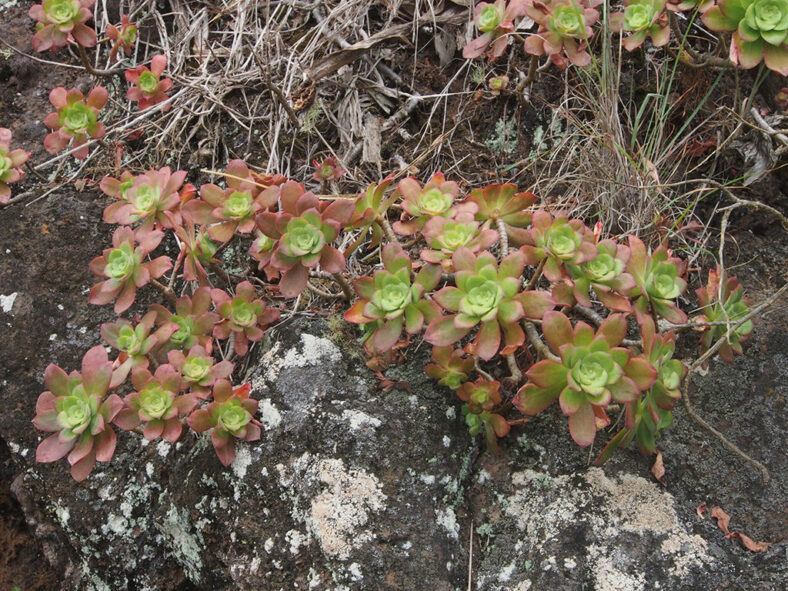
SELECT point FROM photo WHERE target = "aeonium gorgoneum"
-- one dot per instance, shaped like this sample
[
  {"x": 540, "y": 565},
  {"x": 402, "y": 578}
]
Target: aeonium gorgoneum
[
  {"x": 77, "y": 409},
  {"x": 593, "y": 370}
]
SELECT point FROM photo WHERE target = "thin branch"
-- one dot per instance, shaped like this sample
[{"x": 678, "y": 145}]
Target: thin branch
[
  {"x": 538, "y": 344},
  {"x": 702, "y": 359},
  {"x": 504, "y": 237}
]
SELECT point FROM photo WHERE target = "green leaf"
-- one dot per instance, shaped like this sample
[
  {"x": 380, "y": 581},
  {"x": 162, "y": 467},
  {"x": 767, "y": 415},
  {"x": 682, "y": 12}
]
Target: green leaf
[{"x": 531, "y": 399}]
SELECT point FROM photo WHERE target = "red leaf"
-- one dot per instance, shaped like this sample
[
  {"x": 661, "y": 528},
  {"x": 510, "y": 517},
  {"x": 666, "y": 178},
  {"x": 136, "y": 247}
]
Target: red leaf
[
  {"x": 748, "y": 542},
  {"x": 723, "y": 519}
]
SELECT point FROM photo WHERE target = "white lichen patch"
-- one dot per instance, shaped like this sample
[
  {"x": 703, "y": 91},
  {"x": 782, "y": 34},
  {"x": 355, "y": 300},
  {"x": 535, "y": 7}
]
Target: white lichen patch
[
  {"x": 359, "y": 420},
  {"x": 270, "y": 416},
  {"x": 241, "y": 463},
  {"x": 313, "y": 351},
  {"x": 296, "y": 539},
  {"x": 336, "y": 517},
  {"x": 7, "y": 302},
  {"x": 163, "y": 447},
  {"x": 185, "y": 545},
  {"x": 448, "y": 520},
  {"x": 547, "y": 507}
]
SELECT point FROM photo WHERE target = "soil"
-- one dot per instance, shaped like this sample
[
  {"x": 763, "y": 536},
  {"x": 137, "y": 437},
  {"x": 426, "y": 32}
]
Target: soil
[{"x": 45, "y": 247}]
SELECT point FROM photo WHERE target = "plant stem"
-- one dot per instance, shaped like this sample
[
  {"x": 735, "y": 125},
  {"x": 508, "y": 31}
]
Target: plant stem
[
  {"x": 166, "y": 291},
  {"x": 538, "y": 344},
  {"x": 387, "y": 229},
  {"x": 83, "y": 56},
  {"x": 535, "y": 277},
  {"x": 503, "y": 237},
  {"x": 347, "y": 289}
]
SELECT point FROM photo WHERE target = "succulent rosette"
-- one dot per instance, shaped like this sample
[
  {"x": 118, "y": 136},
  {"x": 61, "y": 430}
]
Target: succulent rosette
[
  {"x": 564, "y": 27},
  {"x": 122, "y": 38},
  {"x": 199, "y": 370},
  {"x": 148, "y": 88},
  {"x": 261, "y": 250},
  {"x": 495, "y": 22},
  {"x": 134, "y": 343},
  {"x": 124, "y": 269},
  {"x": 420, "y": 204},
  {"x": 327, "y": 170},
  {"x": 760, "y": 31},
  {"x": 242, "y": 316},
  {"x": 304, "y": 230},
  {"x": 480, "y": 395},
  {"x": 61, "y": 20},
  {"x": 10, "y": 163},
  {"x": 157, "y": 404},
  {"x": 658, "y": 281},
  {"x": 491, "y": 424},
  {"x": 497, "y": 84},
  {"x": 197, "y": 250},
  {"x": 642, "y": 19},
  {"x": 503, "y": 202},
  {"x": 194, "y": 319},
  {"x": 75, "y": 120},
  {"x": 605, "y": 273},
  {"x": 116, "y": 188},
  {"x": 722, "y": 300},
  {"x": 76, "y": 407},
  {"x": 651, "y": 412},
  {"x": 592, "y": 371},
  {"x": 451, "y": 367},
  {"x": 487, "y": 294},
  {"x": 231, "y": 416},
  {"x": 232, "y": 209},
  {"x": 369, "y": 213},
  {"x": 149, "y": 198},
  {"x": 559, "y": 242},
  {"x": 444, "y": 236},
  {"x": 390, "y": 301}
]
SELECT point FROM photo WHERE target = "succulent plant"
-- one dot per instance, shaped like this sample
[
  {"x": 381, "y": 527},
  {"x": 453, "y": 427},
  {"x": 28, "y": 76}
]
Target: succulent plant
[
  {"x": 234, "y": 208},
  {"x": 605, "y": 273},
  {"x": 10, "y": 163},
  {"x": 495, "y": 21},
  {"x": 75, "y": 119},
  {"x": 369, "y": 213},
  {"x": 492, "y": 424},
  {"x": 122, "y": 38},
  {"x": 760, "y": 31},
  {"x": 642, "y": 19},
  {"x": 157, "y": 404},
  {"x": 564, "y": 27},
  {"x": 487, "y": 294},
  {"x": 444, "y": 236},
  {"x": 197, "y": 250},
  {"x": 124, "y": 269},
  {"x": 390, "y": 301},
  {"x": 304, "y": 230},
  {"x": 503, "y": 202},
  {"x": 77, "y": 409},
  {"x": 148, "y": 88},
  {"x": 451, "y": 367},
  {"x": 559, "y": 242},
  {"x": 592, "y": 371},
  {"x": 149, "y": 198},
  {"x": 420, "y": 204},
  {"x": 497, "y": 84},
  {"x": 194, "y": 319},
  {"x": 721, "y": 300},
  {"x": 134, "y": 343},
  {"x": 658, "y": 280},
  {"x": 327, "y": 170},
  {"x": 198, "y": 370},
  {"x": 651, "y": 412},
  {"x": 61, "y": 20},
  {"x": 243, "y": 316},
  {"x": 231, "y": 416}
]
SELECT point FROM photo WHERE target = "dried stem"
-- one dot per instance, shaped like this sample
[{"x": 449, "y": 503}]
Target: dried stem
[
  {"x": 347, "y": 289},
  {"x": 504, "y": 237},
  {"x": 166, "y": 291},
  {"x": 702, "y": 359},
  {"x": 533, "y": 337}
]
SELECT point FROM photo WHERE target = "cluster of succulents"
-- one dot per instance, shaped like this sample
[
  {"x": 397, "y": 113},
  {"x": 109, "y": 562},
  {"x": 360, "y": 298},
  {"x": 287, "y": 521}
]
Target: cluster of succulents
[
  {"x": 563, "y": 28},
  {"x": 479, "y": 278}
]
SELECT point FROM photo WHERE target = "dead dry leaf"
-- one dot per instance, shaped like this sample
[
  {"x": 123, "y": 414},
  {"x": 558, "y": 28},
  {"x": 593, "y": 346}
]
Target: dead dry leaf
[
  {"x": 749, "y": 543},
  {"x": 723, "y": 519},
  {"x": 701, "y": 510},
  {"x": 658, "y": 469}
]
